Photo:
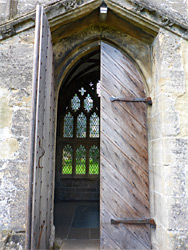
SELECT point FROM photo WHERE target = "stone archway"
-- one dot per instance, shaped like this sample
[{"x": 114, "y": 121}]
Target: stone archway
[{"x": 143, "y": 240}]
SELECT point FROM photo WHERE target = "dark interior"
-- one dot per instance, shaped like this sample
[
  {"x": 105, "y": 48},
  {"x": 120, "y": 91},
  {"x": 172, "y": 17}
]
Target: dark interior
[{"x": 77, "y": 154}]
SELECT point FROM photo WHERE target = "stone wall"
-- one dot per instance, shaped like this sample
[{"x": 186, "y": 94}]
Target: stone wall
[
  {"x": 168, "y": 143},
  {"x": 16, "y": 65},
  {"x": 12, "y": 8},
  {"x": 177, "y": 10},
  {"x": 174, "y": 9},
  {"x": 77, "y": 189}
]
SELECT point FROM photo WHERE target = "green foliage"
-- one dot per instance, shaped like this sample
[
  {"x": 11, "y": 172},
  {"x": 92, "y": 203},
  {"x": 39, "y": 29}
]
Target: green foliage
[{"x": 93, "y": 167}]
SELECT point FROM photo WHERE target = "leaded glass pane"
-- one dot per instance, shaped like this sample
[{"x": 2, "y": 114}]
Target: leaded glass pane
[
  {"x": 82, "y": 91},
  {"x": 88, "y": 103},
  {"x": 67, "y": 160},
  {"x": 94, "y": 160},
  {"x": 81, "y": 160},
  {"x": 81, "y": 125},
  {"x": 94, "y": 126},
  {"x": 75, "y": 103},
  {"x": 68, "y": 125}
]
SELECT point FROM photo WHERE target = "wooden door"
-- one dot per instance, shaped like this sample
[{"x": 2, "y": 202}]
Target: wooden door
[
  {"x": 124, "y": 156},
  {"x": 43, "y": 137}
]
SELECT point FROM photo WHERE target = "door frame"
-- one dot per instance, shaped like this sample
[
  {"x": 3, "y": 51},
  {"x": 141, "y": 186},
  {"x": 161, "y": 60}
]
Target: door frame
[
  {"x": 78, "y": 52},
  {"x": 86, "y": 48}
]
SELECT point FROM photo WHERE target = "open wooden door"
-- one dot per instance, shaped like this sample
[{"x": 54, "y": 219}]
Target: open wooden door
[
  {"x": 124, "y": 157},
  {"x": 40, "y": 223}
]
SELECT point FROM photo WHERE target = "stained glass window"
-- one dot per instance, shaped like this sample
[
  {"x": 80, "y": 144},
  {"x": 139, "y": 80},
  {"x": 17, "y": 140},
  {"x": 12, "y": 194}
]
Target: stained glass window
[
  {"x": 81, "y": 125},
  {"x": 67, "y": 160},
  {"x": 80, "y": 136},
  {"x": 81, "y": 160},
  {"x": 75, "y": 103},
  {"x": 94, "y": 126},
  {"x": 94, "y": 160},
  {"x": 68, "y": 125},
  {"x": 88, "y": 103}
]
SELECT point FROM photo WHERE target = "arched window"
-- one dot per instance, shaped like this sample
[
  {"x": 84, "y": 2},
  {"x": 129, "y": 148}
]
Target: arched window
[{"x": 79, "y": 132}]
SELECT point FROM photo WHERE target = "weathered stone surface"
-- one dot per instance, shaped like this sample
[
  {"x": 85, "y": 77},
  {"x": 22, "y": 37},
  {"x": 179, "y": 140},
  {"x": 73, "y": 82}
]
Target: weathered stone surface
[
  {"x": 5, "y": 110},
  {"x": 16, "y": 66},
  {"x": 10, "y": 240},
  {"x": 169, "y": 156},
  {"x": 174, "y": 9},
  {"x": 8, "y": 148}
]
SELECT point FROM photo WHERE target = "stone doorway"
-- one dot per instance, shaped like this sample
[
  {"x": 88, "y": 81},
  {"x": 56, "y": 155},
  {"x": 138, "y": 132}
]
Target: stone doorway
[{"x": 76, "y": 209}]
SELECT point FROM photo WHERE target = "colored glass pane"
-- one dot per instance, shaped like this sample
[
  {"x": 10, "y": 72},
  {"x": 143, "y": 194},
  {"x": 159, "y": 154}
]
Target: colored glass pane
[
  {"x": 81, "y": 160},
  {"x": 75, "y": 103},
  {"x": 67, "y": 160},
  {"x": 94, "y": 160},
  {"x": 81, "y": 126},
  {"x": 68, "y": 125},
  {"x": 94, "y": 126},
  {"x": 88, "y": 103}
]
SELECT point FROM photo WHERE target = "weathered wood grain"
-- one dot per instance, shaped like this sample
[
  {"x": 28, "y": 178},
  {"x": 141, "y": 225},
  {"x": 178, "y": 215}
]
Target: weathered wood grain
[
  {"x": 124, "y": 157},
  {"x": 114, "y": 88},
  {"x": 136, "y": 128},
  {"x": 134, "y": 174},
  {"x": 42, "y": 217}
]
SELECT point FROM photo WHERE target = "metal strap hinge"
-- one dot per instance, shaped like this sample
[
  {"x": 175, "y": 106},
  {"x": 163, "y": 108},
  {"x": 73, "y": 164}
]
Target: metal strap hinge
[
  {"x": 134, "y": 221},
  {"x": 131, "y": 99}
]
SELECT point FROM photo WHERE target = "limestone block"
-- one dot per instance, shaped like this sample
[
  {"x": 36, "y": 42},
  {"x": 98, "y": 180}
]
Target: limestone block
[
  {"x": 169, "y": 66},
  {"x": 23, "y": 153},
  {"x": 158, "y": 179},
  {"x": 13, "y": 188},
  {"x": 157, "y": 153},
  {"x": 170, "y": 123},
  {"x": 20, "y": 97},
  {"x": 5, "y": 110},
  {"x": 156, "y": 122},
  {"x": 2, "y": 10},
  {"x": 174, "y": 82},
  {"x": 8, "y": 148},
  {"x": 170, "y": 51},
  {"x": 177, "y": 210},
  {"x": 167, "y": 103},
  {"x": 21, "y": 122},
  {"x": 175, "y": 180},
  {"x": 16, "y": 67},
  {"x": 162, "y": 239},
  {"x": 12, "y": 240},
  {"x": 182, "y": 108},
  {"x": 173, "y": 9},
  {"x": 160, "y": 211},
  {"x": 16, "y": 62},
  {"x": 4, "y": 235},
  {"x": 175, "y": 151},
  {"x": 179, "y": 239}
]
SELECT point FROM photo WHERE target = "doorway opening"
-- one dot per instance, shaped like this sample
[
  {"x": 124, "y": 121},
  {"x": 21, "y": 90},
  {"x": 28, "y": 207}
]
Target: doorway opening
[{"x": 76, "y": 208}]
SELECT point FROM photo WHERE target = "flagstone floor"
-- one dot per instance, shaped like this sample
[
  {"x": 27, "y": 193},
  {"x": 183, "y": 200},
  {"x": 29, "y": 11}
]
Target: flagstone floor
[{"x": 77, "y": 225}]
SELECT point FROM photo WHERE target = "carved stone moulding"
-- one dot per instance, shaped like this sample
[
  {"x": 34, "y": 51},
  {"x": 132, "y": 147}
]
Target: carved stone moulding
[{"x": 65, "y": 10}]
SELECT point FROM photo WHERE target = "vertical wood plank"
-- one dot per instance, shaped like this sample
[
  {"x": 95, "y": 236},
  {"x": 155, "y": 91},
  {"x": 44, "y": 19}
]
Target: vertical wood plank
[
  {"x": 124, "y": 156},
  {"x": 42, "y": 214}
]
